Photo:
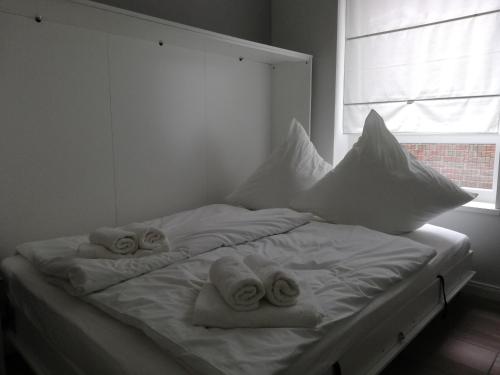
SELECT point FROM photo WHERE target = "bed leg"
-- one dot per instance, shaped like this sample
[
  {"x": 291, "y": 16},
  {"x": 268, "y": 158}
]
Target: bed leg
[
  {"x": 336, "y": 370},
  {"x": 443, "y": 290}
]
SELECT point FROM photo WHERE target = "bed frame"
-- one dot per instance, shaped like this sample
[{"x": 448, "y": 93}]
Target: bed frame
[{"x": 378, "y": 347}]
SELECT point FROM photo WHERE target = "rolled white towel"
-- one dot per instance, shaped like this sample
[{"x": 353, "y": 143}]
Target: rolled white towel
[
  {"x": 117, "y": 240},
  {"x": 149, "y": 238},
  {"x": 282, "y": 288},
  {"x": 236, "y": 283}
]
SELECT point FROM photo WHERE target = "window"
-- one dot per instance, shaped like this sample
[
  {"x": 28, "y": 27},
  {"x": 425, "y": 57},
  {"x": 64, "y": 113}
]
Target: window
[
  {"x": 431, "y": 68},
  {"x": 469, "y": 165}
]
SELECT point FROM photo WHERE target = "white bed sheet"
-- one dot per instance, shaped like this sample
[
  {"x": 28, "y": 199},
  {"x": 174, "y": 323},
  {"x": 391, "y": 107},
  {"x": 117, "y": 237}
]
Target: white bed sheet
[{"x": 96, "y": 342}]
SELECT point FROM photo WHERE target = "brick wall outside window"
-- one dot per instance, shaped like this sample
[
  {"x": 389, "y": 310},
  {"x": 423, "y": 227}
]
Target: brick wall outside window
[{"x": 468, "y": 165}]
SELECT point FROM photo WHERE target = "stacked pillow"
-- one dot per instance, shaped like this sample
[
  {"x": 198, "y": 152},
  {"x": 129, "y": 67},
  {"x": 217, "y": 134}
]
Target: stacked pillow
[
  {"x": 293, "y": 167},
  {"x": 378, "y": 184}
]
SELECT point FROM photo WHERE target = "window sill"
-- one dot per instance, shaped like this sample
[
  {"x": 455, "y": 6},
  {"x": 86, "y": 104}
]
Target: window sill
[{"x": 480, "y": 207}]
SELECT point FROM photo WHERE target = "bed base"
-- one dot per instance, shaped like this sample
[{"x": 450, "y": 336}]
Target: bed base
[{"x": 378, "y": 347}]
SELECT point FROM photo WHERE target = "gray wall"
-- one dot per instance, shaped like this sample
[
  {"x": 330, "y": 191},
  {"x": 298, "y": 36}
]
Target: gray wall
[
  {"x": 484, "y": 232},
  {"x": 311, "y": 27},
  {"x": 247, "y": 19}
]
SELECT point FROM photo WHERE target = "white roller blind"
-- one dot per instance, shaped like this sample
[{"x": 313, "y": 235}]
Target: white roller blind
[
  {"x": 373, "y": 16},
  {"x": 426, "y": 66}
]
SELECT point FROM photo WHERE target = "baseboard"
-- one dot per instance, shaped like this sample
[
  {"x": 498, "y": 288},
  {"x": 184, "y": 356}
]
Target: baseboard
[{"x": 483, "y": 290}]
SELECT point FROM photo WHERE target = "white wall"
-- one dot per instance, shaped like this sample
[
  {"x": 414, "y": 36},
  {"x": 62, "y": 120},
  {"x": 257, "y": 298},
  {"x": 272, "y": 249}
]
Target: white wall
[
  {"x": 102, "y": 129},
  {"x": 310, "y": 26}
]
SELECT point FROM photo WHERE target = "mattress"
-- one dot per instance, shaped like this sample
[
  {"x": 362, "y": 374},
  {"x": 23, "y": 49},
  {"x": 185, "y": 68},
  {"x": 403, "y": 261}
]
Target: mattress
[{"x": 96, "y": 343}]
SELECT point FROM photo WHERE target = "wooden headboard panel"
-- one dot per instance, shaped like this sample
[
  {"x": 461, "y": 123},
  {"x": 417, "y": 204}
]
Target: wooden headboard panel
[{"x": 110, "y": 117}]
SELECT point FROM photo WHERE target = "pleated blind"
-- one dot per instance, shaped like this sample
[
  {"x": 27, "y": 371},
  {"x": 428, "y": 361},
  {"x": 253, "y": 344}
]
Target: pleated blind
[{"x": 427, "y": 66}]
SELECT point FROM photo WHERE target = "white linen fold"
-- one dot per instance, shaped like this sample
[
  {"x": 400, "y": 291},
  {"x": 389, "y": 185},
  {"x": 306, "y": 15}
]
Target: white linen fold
[
  {"x": 281, "y": 286},
  {"x": 149, "y": 238},
  {"x": 236, "y": 283},
  {"x": 193, "y": 233},
  {"x": 117, "y": 240},
  {"x": 93, "y": 251},
  {"x": 81, "y": 276},
  {"x": 211, "y": 311}
]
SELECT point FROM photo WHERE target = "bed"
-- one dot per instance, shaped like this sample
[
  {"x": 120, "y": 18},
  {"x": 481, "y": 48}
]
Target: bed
[
  {"x": 132, "y": 166},
  {"x": 59, "y": 333}
]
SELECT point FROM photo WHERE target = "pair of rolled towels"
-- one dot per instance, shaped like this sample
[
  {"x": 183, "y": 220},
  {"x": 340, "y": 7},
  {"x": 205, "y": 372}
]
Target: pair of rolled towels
[
  {"x": 129, "y": 239},
  {"x": 242, "y": 284}
]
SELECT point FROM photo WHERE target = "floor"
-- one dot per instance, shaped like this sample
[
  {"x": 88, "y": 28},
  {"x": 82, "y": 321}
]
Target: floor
[{"x": 467, "y": 342}]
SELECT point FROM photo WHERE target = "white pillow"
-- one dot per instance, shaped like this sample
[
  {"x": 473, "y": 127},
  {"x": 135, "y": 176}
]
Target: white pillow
[
  {"x": 381, "y": 186},
  {"x": 292, "y": 167}
]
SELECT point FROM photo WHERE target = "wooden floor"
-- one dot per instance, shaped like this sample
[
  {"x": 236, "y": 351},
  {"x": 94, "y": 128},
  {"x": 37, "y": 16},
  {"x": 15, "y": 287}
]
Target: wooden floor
[{"x": 467, "y": 342}]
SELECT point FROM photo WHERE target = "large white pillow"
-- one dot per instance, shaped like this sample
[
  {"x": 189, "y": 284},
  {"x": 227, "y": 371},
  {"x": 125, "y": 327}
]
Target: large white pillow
[
  {"x": 381, "y": 186},
  {"x": 292, "y": 167}
]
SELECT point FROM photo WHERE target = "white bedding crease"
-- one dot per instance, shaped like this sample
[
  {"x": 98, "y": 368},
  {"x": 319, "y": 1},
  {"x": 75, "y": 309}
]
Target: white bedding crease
[
  {"x": 346, "y": 267},
  {"x": 80, "y": 276},
  {"x": 92, "y": 251}
]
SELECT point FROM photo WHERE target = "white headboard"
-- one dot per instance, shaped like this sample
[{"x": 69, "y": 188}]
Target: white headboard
[{"x": 109, "y": 116}]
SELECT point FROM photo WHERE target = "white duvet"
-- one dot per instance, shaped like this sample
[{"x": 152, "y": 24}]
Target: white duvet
[
  {"x": 191, "y": 233},
  {"x": 345, "y": 267}
]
